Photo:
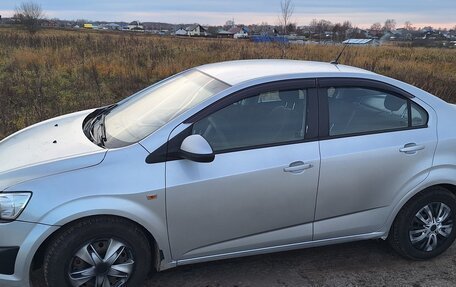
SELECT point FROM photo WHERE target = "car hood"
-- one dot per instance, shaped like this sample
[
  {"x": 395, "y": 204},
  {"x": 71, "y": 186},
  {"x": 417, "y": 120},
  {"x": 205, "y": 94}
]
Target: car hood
[{"x": 53, "y": 146}]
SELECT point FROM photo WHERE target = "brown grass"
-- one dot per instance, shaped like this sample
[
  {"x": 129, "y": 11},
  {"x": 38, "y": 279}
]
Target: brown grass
[{"x": 57, "y": 71}]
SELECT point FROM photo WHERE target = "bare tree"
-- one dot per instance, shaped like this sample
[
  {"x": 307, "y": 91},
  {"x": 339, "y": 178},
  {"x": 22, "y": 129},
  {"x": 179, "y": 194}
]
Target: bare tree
[
  {"x": 409, "y": 26},
  {"x": 313, "y": 25},
  {"x": 390, "y": 24},
  {"x": 263, "y": 28},
  {"x": 377, "y": 27},
  {"x": 286, "y": 11},
  {"x": 291, "y": 27},
  {"x": 324, "y": 25},
  {"x": 347, "y": 25},
  {"x": 341, "y": 30},
  {"x": 30, "y": 15}
]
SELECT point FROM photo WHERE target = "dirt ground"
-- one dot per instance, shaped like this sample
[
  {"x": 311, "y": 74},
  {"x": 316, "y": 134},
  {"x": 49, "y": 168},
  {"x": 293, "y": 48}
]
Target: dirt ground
[{"x": 366, "y": 263}]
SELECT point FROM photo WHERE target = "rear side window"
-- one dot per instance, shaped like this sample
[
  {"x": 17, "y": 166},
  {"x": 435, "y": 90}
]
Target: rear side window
[{"x": 354, "y": 110}]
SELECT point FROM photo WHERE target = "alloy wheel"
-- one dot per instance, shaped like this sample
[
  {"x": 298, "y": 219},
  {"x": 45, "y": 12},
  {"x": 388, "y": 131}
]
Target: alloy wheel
[{"x": 431, "y": 226}]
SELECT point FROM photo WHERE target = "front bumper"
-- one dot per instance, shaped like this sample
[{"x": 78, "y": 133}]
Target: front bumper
[{"x": 19, "y": 242}]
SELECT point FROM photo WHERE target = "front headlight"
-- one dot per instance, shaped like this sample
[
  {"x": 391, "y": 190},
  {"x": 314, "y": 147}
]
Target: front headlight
[{"x": 12, "y": 204}]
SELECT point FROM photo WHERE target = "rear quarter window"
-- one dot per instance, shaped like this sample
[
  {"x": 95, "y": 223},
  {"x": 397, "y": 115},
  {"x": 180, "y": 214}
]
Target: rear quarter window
[{"x": 419, "y": 115}]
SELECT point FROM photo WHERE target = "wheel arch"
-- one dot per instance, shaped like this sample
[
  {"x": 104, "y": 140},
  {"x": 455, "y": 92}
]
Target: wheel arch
[
  {"x": 411, "y": 196},
  {"x": 450, "y": 187},
  {"x": 157, "y": 253}
]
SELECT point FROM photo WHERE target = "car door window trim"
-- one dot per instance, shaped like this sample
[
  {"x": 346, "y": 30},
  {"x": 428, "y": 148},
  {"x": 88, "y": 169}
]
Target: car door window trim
[
  {"x": 248, "y": 92},
  {"x": 362, "y": 83},
  {"x": 317, "y": 114},
  {"x": 323, "y": 104}
]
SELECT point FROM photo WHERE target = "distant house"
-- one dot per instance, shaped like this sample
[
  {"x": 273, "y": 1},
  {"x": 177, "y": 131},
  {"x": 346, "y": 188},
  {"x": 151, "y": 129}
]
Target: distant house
[
  {"x": 181, "y": 32},
  {"x": 329, "y": 34},
  {"x": 361, "y": 42},
  {"x": 48, "y": 23},
  {"x": 268, "y": 31},
  {"x": 375, "y": 33},
  {"x": 224, "y": 34},
  {"x": 402, "y": 34},
  {"x": 357, "y": 33},
  {"x": 88, "y": 26},
  {"x": 135, "y": 26},
  {"x": 196, "y": 30},
  {"x": 239, "y": 32},
  {"x": 450, "y": 35},
  {"x": 427, "y": 30},
  {"x": 113, "y": 26}
]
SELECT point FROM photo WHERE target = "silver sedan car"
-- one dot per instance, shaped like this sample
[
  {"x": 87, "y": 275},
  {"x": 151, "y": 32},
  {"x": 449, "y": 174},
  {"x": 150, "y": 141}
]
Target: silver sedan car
[{"x": 227, "y": 160}]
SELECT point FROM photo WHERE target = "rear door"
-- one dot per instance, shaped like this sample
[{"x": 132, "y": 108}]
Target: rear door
[
  {"x": 377, "y": 143},
  {"x": 260, "y": 189}
]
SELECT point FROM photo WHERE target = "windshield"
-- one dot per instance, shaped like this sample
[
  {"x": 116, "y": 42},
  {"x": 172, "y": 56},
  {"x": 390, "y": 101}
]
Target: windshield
[{"x": 142, "y": 114}]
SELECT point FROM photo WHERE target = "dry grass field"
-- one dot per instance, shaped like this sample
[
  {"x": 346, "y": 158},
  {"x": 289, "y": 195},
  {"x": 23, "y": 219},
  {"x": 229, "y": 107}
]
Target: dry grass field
[{"x": 55, "y": 71}]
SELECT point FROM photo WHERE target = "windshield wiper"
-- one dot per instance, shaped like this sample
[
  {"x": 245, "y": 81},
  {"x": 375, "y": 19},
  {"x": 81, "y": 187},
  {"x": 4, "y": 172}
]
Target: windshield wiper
[
  {"x": 103, "y": 128},
  {"x": 108, "y": 109},
  {"x": 101, "y": 120},
  {"x": 88, "y": 128}
]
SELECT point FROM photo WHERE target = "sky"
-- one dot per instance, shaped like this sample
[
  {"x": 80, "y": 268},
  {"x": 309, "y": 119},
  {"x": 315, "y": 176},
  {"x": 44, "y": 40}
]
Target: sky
[{"x": 362, "y": 13}]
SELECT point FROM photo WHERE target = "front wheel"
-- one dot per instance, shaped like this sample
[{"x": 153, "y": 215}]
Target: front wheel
[
  {"x": 98, "y": 252},
  {"x": 424, "y": 228}
]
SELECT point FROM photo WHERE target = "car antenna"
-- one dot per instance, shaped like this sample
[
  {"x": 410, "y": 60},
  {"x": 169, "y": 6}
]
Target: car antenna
[{"x": 336, "y": 60}]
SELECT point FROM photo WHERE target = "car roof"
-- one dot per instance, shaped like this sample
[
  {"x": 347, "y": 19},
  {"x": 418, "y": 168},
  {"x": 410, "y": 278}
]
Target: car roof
[{"x": 235, "y": 72}]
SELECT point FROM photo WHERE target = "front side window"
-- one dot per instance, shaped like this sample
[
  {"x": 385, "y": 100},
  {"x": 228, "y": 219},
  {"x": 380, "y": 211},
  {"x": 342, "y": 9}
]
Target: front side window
[
  {"x": 355, "y": 110},
  {"x": 268, "y": 118},
  {"x": 137, "y": 117}
]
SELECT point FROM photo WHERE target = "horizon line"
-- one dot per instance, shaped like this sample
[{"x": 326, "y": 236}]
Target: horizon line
[{"x": 257, "y": 19}]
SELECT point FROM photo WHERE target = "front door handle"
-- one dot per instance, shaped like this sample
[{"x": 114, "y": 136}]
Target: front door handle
[
  {"x": 297, "y": 167},
  {"x": 411, "y": 148}
]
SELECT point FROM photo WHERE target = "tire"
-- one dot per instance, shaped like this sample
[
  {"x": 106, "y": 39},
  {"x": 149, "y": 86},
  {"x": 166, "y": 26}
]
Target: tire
[
  {"x": 424, "y": 228},
  {"x": 78, "y": 254}
]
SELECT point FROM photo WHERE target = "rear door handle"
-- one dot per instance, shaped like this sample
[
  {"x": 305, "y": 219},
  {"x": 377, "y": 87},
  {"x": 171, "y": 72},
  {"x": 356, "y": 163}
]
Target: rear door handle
[
  {"x": 411, "y": 148},
  {"x": 297, "y": 167}
]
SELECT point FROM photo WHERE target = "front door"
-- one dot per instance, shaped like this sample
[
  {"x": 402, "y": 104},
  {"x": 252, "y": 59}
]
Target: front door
[{"x": 260, "y": 189}]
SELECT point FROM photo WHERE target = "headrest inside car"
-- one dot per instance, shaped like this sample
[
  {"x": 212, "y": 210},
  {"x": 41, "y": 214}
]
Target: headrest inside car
[
  {"x": 289, "y": 96},
  {"x": 393, "y": 103}
]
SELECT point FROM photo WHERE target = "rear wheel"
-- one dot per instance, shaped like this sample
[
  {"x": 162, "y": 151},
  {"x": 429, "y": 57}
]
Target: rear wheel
[
  {"x": 98, "y": 252},
  {"x": 424, "y": 228}
]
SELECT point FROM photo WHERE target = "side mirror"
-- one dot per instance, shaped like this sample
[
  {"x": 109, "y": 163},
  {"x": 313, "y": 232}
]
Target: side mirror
[{"x": 196, "y": 148}]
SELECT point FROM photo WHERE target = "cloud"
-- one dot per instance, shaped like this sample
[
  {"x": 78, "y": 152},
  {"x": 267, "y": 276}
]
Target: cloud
[
  {"x": 6, "y": 13},
  {"x": 359, "y": 12}
]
